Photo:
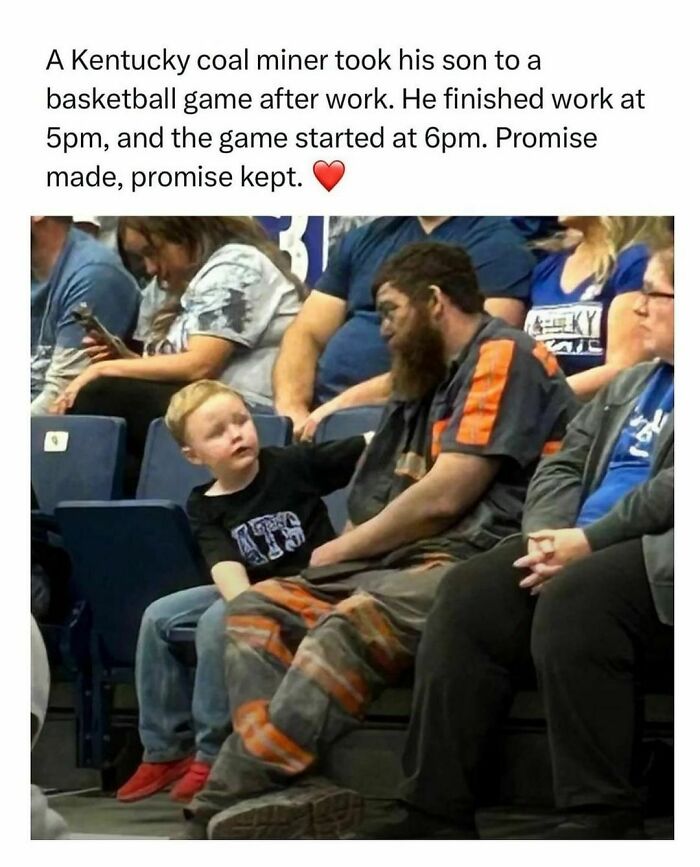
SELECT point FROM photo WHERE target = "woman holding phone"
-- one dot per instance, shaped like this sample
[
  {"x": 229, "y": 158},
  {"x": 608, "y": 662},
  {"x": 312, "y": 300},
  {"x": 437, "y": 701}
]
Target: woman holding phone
[{"x": 222, "y": 297}]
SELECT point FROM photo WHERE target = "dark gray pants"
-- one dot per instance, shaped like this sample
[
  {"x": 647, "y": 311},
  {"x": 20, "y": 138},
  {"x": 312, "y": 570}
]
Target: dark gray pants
[
  {"x": 303, "y": 661},
  {"x": 587, "y": 633}
]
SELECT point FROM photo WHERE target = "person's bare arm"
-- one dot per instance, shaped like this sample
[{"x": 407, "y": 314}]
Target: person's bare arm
[
  {"x": 512, "y": 310},
  {"x": 295, "y": 369},
  {"x": 624, "y": 349},
  {"x": 204, "y": 358},
  {"x": 66, "y": 364},
  {"x": 436, "y": 502},
  {"x": 372, "y": 391},
  {"x": 230, "y": 578}
]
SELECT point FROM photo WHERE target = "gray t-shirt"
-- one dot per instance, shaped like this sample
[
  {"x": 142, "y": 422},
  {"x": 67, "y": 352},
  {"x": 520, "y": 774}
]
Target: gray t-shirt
[{"x": 238, "y": 295}]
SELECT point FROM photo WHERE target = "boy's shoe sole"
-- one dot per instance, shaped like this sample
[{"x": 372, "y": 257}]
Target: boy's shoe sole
[{"x": 312, "y": 810}]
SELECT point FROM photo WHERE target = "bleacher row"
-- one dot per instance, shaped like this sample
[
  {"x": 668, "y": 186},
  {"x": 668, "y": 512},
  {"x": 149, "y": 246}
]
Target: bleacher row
[{"x": 125, "y": 554}]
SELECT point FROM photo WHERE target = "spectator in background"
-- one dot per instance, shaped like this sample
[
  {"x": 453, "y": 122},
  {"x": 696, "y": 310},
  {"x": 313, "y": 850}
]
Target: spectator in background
[
  {"x": 70, "y": 268},
  {"x": 333, "y": 355},
  {"x": 583, "y": 296},
  {"x": 226, "y": 298}
]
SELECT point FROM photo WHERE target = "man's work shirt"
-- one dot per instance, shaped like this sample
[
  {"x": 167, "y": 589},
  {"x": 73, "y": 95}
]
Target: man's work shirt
[{"x": 504, "y": 397}]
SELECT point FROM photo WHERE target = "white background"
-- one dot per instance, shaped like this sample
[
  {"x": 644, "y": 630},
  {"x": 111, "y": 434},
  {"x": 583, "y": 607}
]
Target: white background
[{"x": 646, "y": 163}]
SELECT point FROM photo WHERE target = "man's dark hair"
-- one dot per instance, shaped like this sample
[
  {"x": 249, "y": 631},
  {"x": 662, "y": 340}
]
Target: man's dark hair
[{"x": 429, "y": 263}]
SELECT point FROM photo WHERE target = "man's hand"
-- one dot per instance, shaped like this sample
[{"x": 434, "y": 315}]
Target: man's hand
[
  {"x": 299, "y": 416},
  {"x": 314, "y": 419},
  {"x": 328, "y": 554},
  {"x": 65, "y": 401},
  {"x": 548, "y": 552}
]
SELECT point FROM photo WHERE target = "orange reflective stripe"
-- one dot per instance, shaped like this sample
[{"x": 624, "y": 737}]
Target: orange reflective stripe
[
  {"x": 438, "y": 428},
  {"x": 546, "y": 358},
  {"x": 376, "y": 632},
  {"x": 258, "y": 631},
  {"x": 265, "y": 741},
  {"x": 551, "y": 447},
  {"x": 486, "y": 392},
  {"x": 346, "y": 686},
  {"x": 295, "y": 598}
]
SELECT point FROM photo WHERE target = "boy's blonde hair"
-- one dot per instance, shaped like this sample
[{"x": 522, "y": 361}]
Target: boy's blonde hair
[{"x": 184, "y": 402}]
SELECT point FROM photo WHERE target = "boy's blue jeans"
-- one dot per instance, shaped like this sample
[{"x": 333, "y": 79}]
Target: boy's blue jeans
[{"x": 174, "y": 717}]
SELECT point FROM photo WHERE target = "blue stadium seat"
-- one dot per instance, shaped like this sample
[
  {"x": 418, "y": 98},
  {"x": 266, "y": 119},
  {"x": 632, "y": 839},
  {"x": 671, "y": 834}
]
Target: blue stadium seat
[
  {"x": 128, "y": 553},
  {"x": 72, "y": 457},
  {"x": 76, "y": 457},
  {"x": 340, "y": 425}
]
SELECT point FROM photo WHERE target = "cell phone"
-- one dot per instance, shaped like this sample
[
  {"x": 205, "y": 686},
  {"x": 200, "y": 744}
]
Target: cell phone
[{"x": 84, "y": 316}]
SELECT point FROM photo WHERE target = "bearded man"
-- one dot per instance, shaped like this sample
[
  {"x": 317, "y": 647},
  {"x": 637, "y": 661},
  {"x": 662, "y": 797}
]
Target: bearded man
[{"x": 475, "y": 404}]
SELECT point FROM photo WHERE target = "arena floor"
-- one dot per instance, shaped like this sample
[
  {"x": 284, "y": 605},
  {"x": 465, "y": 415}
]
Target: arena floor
[{"x": 93, "y": 815}]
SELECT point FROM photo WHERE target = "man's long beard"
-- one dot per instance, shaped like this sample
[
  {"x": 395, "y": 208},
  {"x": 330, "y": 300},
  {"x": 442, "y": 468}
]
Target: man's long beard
[{"x": 418, "y": 361}]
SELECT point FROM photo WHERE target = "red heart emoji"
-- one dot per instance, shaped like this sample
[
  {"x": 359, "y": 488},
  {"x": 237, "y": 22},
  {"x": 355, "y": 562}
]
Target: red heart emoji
[{"x": 329, "y": 175}]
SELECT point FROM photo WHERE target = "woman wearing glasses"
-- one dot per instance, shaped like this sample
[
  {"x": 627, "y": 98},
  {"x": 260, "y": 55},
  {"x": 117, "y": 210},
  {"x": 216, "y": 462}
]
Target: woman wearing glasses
[{"x": 583, "y": 294}]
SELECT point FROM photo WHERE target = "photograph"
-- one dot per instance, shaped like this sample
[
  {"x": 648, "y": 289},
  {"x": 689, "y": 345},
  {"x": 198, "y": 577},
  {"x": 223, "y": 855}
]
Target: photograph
[{"x": 352, "y": 527}]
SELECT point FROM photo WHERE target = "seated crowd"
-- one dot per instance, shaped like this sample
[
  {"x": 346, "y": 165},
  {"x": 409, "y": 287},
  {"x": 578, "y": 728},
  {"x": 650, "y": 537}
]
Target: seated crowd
[{"x": 513, "y": 511}]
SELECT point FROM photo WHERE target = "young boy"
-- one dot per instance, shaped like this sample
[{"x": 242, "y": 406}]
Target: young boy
[{"x": 262, "y": 517}]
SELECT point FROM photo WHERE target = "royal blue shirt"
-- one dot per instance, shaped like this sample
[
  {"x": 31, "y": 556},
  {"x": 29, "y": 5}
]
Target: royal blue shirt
[
  {"x": 630, "y": 460},
  {"x": 574, "y": 325},
  {"x": 356, "y": 351}
]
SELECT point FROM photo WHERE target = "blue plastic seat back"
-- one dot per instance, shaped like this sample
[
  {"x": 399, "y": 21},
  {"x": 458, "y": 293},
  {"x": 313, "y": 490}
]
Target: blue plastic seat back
[
  {"x": 167, "y": 474},
  {"x": 126, "y": 555},
  {"x": 340, "y": 425},
  {"x": 76, "y": 457}
]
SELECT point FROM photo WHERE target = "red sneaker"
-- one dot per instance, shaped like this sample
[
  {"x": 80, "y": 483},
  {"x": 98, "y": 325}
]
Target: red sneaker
[
  {"x": 191, "y": 783},
  {"x": 151, "y": 777}
]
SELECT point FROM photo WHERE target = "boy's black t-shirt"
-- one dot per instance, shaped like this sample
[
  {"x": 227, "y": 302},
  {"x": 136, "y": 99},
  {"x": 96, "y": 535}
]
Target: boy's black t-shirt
[{"x": 274, "y": 524}]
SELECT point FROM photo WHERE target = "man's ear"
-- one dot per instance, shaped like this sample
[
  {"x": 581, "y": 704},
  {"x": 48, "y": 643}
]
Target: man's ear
[
  {"x": 191, "y": 456},
  {"x": 437, "y": 300}
]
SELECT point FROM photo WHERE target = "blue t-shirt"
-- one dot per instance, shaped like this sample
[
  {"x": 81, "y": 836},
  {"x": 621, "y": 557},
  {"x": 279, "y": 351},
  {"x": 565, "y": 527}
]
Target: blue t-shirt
[
  {"x": 356, "y": 351},
  {"x": 86, "y": 271},
  {"x": 630, "y": 461},
  {"x": 574, "y": 325}
]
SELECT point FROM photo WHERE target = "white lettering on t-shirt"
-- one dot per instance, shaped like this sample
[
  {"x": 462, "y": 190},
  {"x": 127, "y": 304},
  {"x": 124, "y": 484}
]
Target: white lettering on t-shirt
[
  {"x": 646, "y": 433},
  {"x": 568, "y": 329},
  {"x": 279, "y": 532}
]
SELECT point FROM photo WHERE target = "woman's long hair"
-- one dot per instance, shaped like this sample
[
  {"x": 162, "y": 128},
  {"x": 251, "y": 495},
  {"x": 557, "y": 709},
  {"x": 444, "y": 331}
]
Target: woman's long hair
[
  {"x": 202, "y": 237},
  {"x": 615, "y": 235}
]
